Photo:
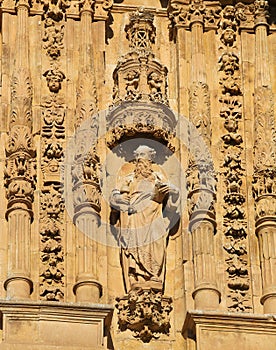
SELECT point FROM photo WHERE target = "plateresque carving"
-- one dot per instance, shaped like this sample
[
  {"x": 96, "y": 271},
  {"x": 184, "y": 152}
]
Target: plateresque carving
[
  {"x": 138, "y": 75},
  {"x": 52, "y": 154},
  {"x": 140, "y": 88},
  {"x": 235, "y": 245}
]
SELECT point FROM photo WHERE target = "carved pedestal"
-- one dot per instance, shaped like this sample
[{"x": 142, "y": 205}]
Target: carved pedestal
[
  {"x": 208, "y": 330},
  {"x": 48, "y": 326}
]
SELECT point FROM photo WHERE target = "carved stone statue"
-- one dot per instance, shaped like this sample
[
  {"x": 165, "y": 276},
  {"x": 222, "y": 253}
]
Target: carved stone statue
[{"x": 144, "y": 211}]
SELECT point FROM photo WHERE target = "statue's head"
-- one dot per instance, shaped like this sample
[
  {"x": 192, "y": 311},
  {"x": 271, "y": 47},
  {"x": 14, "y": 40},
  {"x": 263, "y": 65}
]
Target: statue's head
[{"x": 144, "y": 152}]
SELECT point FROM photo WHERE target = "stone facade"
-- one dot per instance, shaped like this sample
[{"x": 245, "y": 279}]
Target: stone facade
[{"x": 138, "y": 174}]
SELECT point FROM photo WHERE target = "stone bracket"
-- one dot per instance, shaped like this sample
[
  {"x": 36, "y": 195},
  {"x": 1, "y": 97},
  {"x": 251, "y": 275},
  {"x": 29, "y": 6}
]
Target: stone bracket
[{"x": 145, "y": 312}]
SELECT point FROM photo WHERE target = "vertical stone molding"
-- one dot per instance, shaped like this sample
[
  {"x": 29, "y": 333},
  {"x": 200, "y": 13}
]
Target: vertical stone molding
[
  {"x": 201, "y": 176},
  {"x": 100, "y": 26},
  {"x": 196, "y": 16},
  {"x": 87, "y": 287},
  {"x": 52, "y": 154},
  {"x": 238, "y": 288},
  {"x": 85, "y": 170},
  {"x": 86, "y": 88},
  {"x": 86, "y": 198},
  {"x": 20, "y": 171},
  {"x": 264, "y": 178},
  {"x": 201, "y": 182}
]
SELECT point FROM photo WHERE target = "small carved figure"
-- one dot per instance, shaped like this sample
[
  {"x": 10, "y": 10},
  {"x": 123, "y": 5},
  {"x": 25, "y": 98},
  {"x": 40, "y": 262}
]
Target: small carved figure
[
  {"x": 193, "y": 179},
  {"x": 230, "y": 85},
  {"x": 228, "y": 37},
  {"x": 21, "y": 164},
  {"x": 229, "y": 17},
  {"x": 132, "y": 82},
  {"x": 155, "y": 82},
  {"x": 231, "y": 124},
  {"x": 54, "y": 79}
]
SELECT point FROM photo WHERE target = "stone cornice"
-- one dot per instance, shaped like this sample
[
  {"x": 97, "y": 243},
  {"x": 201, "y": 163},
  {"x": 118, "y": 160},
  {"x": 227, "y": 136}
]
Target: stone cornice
[
  {"x": 91, "y": 311},
  {"x": 213, "y": 320}
]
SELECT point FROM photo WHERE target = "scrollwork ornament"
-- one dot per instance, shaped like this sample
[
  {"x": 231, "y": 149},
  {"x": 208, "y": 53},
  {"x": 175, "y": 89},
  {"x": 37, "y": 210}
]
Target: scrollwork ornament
[
  {"x": 200, "y": 109},
  {"x": 182, "y": 14},
  {"x": 102, "y": 8}
]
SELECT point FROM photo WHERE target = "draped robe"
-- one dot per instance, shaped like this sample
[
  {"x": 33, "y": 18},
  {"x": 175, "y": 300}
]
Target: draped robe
[{"x": 142, "y": 230}]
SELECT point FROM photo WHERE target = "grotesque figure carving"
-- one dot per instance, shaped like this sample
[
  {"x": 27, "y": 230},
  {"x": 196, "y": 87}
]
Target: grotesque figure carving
[{"x": 54, "y": 79}]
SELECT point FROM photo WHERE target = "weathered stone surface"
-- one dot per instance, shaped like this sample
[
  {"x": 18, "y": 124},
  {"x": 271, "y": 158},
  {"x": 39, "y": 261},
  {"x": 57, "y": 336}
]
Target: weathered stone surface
[{"x": 83, "y": 84}]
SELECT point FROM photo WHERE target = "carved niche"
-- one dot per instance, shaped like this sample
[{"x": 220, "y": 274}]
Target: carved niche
[
  {"x": 140, "y": 109},
  {"x": 136, "y": 220}
]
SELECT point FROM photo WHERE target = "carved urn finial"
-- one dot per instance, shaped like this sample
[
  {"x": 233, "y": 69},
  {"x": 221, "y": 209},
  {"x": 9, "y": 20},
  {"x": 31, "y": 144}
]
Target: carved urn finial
[
  {"x": 141, "y": 31},
  {"x": 139, "y": 76}
]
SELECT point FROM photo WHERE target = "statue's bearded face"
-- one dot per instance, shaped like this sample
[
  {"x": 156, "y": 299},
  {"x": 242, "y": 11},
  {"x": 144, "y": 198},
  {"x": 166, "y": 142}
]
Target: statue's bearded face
[
  {"x": 143, "y": 157},
  {"x": 143, "y": 168}
]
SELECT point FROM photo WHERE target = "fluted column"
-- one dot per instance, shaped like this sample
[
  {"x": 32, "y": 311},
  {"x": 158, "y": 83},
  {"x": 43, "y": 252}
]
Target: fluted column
[
  {"x": 264, "y": 188},
  {"x": 85, "y": 177},
  {"x": 201, "y": 176},
  {"x": 198, "y": 57},
  {"x": 20, "y": 169},
  {"x": 87, "y": 287},
  {"x": 99, "y": 30}
]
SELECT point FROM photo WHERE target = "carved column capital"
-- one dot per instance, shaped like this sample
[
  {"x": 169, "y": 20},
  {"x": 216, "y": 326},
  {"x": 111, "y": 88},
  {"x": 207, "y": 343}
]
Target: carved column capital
[
  {"x": 102, "y": 9},
  {"x": 197, "y": 11},
  {"x": 182, "y": 14},
  {"x": 261, "y": 12},
  {"x": 86, "y": 7},
  {"x": 22, "y": 4},
  {"x": 178, "y": 13}
]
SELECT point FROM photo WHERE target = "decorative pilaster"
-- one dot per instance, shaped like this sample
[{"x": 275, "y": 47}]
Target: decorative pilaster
[
  {"x": 20, "y": 173},
  {"x": 85, "y": 170},
  {"x": 52, "y": 154},
  {"x": 264, "y": 180},
  {"x": 201, "y": 176},
  {"x": 232, "y": 174},
  {"x": 100, "y": 24}
]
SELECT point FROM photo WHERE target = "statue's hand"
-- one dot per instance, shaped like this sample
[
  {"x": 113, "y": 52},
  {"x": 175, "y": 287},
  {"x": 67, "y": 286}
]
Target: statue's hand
[{"x": 122, "y": 198}]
